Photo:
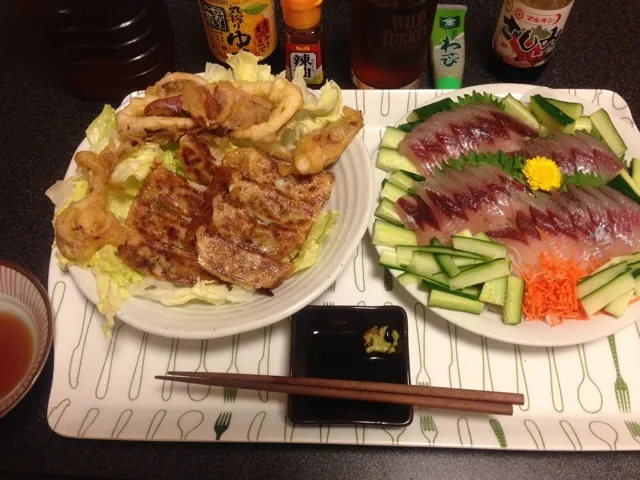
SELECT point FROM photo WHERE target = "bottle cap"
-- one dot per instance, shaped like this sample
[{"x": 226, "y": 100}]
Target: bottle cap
[
  {"x": 301, "y": 14},
  {"x": 448, "y": 83}
]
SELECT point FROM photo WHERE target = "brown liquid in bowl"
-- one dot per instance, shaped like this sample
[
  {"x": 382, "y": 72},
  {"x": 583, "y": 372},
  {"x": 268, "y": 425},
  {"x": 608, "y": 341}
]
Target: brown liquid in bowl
[{"x": 16, "y": 351}]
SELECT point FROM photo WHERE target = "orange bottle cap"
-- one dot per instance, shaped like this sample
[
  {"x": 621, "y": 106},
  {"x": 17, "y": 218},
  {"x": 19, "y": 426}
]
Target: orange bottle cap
[{"x": 301, "y": 14}]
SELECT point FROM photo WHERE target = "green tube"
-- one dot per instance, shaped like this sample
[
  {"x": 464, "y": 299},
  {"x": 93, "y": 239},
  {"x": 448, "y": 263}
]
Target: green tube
[{"x": 447, "y": 46}]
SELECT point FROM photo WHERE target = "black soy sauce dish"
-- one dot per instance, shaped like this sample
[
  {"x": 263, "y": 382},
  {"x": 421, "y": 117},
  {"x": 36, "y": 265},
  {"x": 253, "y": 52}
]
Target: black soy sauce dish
[{"x": 327, "y": 342}]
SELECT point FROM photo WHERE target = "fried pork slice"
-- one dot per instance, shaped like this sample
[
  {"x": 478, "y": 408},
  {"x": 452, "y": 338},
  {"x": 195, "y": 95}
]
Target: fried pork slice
[
  {"x": 255, "y": 165},
  {"x": 235, "y": 225},
  {"x": 319, "y": 149},
  {"x": 163, "y": 261},
  {"x": 233, "y": 264},
  {"x": 271, "y": 206},
  {"x": 167, "y": 209},
  {"x": 197, "y": 161}
]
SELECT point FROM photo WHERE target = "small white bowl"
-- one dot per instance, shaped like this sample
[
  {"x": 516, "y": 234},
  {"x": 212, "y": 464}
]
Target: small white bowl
[{"x": 23, "y": 295}]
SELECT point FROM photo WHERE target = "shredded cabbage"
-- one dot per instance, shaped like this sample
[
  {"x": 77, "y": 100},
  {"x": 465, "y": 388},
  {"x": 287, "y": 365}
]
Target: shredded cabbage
[
  {"x": 310, "y": 250},
  {"x": 102, "y": 130}
]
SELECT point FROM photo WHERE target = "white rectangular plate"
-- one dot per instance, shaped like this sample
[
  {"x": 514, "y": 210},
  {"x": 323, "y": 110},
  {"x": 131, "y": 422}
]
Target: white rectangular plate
[{"x": 584, "y": 397}]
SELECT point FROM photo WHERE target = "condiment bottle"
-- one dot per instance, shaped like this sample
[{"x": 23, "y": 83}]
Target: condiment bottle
[
  {"x": 525, "y": 37},
  {"x": 303, "y": 34},
  {"x": 234, "y": 25}
]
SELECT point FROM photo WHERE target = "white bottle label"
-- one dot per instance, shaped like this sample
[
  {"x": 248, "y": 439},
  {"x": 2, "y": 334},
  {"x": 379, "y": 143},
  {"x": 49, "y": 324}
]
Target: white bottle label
[{"x": 525, "y": 37}]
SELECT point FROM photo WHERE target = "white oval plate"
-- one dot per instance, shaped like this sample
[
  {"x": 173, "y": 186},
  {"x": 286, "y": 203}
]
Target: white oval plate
[
  {"x": 489, "y": 324},
  {"x": 352, "y": 196}
]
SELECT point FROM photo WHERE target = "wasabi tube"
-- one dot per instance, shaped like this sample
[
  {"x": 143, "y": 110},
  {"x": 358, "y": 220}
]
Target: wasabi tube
[{"x": 447, "y": 46}]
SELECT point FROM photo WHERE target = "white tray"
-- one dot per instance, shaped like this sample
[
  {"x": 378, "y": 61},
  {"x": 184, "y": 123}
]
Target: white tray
[{"x": 105, "y": 388}]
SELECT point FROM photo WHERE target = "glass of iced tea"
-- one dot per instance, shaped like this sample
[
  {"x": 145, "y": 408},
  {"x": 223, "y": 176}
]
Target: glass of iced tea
[{"x": 390, "y": 42}]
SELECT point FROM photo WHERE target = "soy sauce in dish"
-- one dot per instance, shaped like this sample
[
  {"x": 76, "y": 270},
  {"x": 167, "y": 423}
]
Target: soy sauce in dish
[{"x": 16, "y": 351}]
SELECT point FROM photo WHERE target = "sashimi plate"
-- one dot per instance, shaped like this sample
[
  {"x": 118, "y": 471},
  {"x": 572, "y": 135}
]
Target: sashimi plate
[
  {"x": 531, "y": 333},
  {"x": 352, "y": 197}
]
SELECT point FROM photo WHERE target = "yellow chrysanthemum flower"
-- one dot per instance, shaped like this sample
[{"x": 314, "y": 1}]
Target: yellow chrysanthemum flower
[{"x": 542, "y": 174}]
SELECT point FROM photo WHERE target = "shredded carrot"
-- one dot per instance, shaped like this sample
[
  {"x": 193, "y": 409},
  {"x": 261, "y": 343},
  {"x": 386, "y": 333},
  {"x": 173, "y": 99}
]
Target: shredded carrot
[{"x": 550, "y": 290}]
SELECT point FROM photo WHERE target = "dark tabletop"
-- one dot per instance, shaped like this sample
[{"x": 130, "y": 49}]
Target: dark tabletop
[{"x": 40, "y": 127}]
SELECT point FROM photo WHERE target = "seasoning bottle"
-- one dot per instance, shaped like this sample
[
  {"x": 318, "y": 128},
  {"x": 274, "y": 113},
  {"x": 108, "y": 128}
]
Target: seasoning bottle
[
  {"x": 303, "y": 39},
  {"x": 234, "y": 25},
  {"x": 525, "y": 37}
]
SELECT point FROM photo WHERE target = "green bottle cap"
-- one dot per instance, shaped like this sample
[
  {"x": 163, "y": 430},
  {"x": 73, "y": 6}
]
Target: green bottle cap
[{"x": 448, "y": 83}]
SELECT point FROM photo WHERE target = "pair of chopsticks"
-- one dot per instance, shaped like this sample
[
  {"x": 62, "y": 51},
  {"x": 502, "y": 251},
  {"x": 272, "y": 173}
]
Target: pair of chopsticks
[{"x": 478, "y": 401}]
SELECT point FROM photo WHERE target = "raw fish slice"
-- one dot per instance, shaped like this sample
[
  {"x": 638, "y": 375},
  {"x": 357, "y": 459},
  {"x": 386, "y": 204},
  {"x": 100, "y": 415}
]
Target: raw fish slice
[
  {"x": 445, "y": 135},
  {"x": 418, "y": 216},
  {"x": 575, "y": 153}
]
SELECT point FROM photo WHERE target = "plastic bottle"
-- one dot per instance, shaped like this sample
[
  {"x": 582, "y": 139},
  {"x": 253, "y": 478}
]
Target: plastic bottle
[{"x": 105, "y": 49}]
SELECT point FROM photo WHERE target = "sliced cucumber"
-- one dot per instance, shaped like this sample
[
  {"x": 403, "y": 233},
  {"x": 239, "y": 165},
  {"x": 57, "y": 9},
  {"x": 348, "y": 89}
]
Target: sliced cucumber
[
  {"x": 574, "y": 110},
  {"x": 486, "y": 249},
  {"x": 551, "y": 116},
  {"x": 392, "y": 137},
  {"x": 620, "y": 304},
  {"x": 601, "y": 297},
  {"x": 480, "y": 274},
  {"x": 390, "y": 160},
  {"x": 408, "y": 279},
  {"x": 635, "y": 170},
  {"x": 494, "y": 291},
  {"x": 426, "y": 111},
  {"x": 428, "y": 283},
  {"x": 404, "y": 253},
  {"x": 388, "y": 234},
  {"x": 623, "y": 183},
  {"x": 439, "y": 249},
  {"x": 603, "y": 126},
  {"x": 595, "y": 281},
  {"x": 387, "y": 211},
  {"x": 402, "y": 180},
  {"x": 483, "y": 236},
  {"x": 584, "y": 123},
  {"x": 441, "y": 277},
  {"x": 407, "y": 127},
  {"x": 445, "y": 261},
  {"x": 388, "y": 259},
  {"x": 392, "y": 192},
  {"x": 517, "y": 109},
  {"x": 423, "y": 264},
  {"x": 464, "y": 233},
  {"x": 449, "y": 301},
  {"x": 464, "y": 262},
  {"x": 512, "y": 311}
]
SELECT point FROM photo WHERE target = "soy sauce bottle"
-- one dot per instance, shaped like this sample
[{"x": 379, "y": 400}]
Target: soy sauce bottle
[{"x": 525, "y": 38}]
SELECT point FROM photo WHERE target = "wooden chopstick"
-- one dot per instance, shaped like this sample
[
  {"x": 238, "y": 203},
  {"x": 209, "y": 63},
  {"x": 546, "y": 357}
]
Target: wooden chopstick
[{"x": 431, "y": 397}]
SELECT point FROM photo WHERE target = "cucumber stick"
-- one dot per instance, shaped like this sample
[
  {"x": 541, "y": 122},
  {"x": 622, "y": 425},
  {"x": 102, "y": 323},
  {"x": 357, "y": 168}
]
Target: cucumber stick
[
  {"x": 602, "y": 124},
  {"x": 480, "y": 274},
  {"x": 408, "y": 279},
  {"x": 574, "y": 110},
  {"x": 584, "y": 123},
  {"x": 387, "y": 211},
  {"x": 620, "y": 304},
  {"x": 635, "y": 170},
  {"x": 431, "y": 284},
  {"x": 494, "y": 291},
  {"x": 392, "y": 192},
  {"x": 551, "y": 116},
  {"x": 490, "y": 250},
  {"x": 449, "y": 301},
  {"x": 390, "y": 160},
  {"x": 601, "y": 297},
  {"x": 388, "y": 234},
  {"x": 424, "y": 112},
  {"x": 445, "y": 261},
  {"x": 595, "y": 281},
  {"x": 392, "y": 138},
  {"x": 402, "y": 180},
  {"x": 388, "y": 259},
  {"x": 623, "y": 183},
  {"x": 518, "y": 110},
  {"x": 512, "y": 311},
  {"x": 423, "y": 264}
]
